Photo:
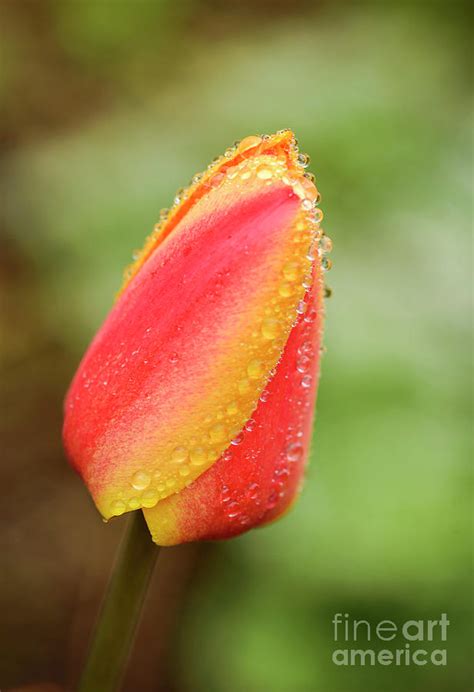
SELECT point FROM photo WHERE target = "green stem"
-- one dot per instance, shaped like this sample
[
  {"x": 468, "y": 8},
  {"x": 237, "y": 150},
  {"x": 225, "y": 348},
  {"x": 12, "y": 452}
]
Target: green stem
[{"x": 121, "y": 608}]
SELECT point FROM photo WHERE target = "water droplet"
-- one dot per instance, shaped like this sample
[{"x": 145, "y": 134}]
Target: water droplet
[
  {"x": 264, "y": 172},
  {"x": 325, "y": 244},
  {"x": 269, "y": 328},
  {"x": 294, "y": 452},
  {"x": 179, "y": 454},
  {"x": 173, "y": 358},
  {"x": 310, "y": 316},
  {"x": 217, "y": 433},
  {"x": 303, "y": 363},
  {"x": 184, "y": 471},
  {"x": 198, "y": 456},
  {"x": 285, "y": 290},
  {"x": 237, "y": 440},
  {"x": 248, "y": 143},
  {"x": 302, "y": 160},
  {"x": 290, "y": 271},
  {"x": 170, "y": 482},
  {"x": 232, "y": 408},
  {"x": 227, "y": 456},
  {"x": 253, "y": 491},
  {"x": 255, "y": 369},
  {"x": 244, "y": 386},
  {"x": 326, "y": 264},
  {"x": 272, "y": 500},
  {"x": 307, "y": 204},
  {"x": 327, "y": 292},
  {"x": 233, "y": 510},
  {"x": 318, "y": 215},
  {"x": 232, "y": 172},
  {"x": 250, "y": 425},
  {"x": 306, "y": 381},
  {"x": 149, "y": 498},
  {"x": 117, "y": 507},
  {"x": 141, "y": 480},
  {"x": 301, "y": 307},
  {"x": 134, "y": 503},
  {"x": 216, "y": 179},
  {"x": 264, "y": 395}
]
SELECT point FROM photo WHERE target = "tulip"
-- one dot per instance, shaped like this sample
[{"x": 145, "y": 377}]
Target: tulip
[{"x": 194, "y": 403}]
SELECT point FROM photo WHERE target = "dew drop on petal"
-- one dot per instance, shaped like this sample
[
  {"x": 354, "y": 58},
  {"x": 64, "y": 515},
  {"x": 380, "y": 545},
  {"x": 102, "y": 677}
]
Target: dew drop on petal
[
  {"x": 303, "y": 363},
  {"x": 325, "y": 244},
  {"x": 217, "y": 433},
  {"x": 326, "y": 264},
  {"x": 198, "y": 456},
  {"x": 141, "y": 480},
  {"x": 285, "y": 290},
  {"x": 301, "y": 307},
  {"x": 232, "y": 408},
  {"x": 179, "y": 454},
  {"x": 149, "y": 498},
  {"x": 290, "y": 271},
  {"x": 233, "y": 510},
  {"x": 269, "y": 328},
  {"x": 294, "y": 452},
  {"x": 117, "y": 507},
  {"x": 244, "y": 386},
  {"x": 272, "y": 500},
  {"x": 255, "y": 369},
  {"x": 302, "y": 160},
  {"x": 318, "y": 215},
  {"x": 264, "y": 172},
  {"x": 249, "y": 143}
]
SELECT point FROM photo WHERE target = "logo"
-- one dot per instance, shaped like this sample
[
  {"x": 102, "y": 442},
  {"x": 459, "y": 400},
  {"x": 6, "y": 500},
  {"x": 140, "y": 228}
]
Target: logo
[{"x": 415, "y": 634}]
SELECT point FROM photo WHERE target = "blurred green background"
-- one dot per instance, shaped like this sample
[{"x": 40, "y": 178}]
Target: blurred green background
[{"x": 107, "y": 108}]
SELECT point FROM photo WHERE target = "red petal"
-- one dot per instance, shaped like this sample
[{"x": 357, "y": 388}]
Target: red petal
[{"x": 256, "y": 481}]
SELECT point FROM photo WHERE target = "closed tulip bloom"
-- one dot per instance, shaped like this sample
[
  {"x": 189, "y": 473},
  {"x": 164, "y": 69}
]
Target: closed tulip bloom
[{"x": 194, "y": 402}]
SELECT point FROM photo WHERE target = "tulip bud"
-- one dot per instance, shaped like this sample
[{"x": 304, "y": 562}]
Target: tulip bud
[{"x": 195, "y": 400}]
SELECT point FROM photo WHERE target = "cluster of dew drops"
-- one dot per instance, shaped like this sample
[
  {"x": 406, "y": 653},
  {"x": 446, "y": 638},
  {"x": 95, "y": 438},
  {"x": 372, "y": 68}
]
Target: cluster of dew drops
[
  {"x": 309, "y": 195},
  {"x": 321, "y": 247},
  {"x": 234, "y": 502}
]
